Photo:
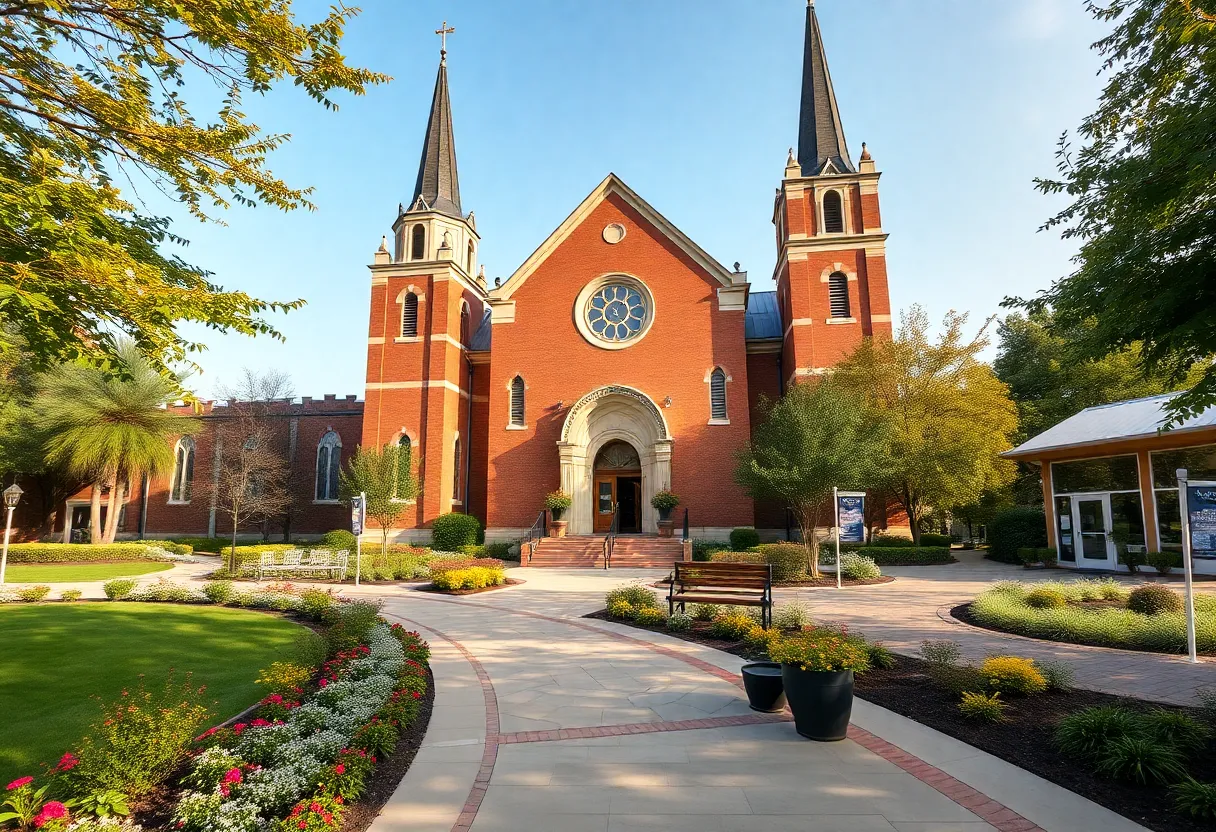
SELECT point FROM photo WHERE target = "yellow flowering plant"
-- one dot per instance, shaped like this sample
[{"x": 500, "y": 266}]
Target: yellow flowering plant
[{"x": 821, "y": 650}]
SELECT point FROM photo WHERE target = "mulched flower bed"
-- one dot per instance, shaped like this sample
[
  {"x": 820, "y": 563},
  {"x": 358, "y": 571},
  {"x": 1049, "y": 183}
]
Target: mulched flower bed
[
  {"x": 437, "y": 591},
  {"x": 388, "y": 773},
  {"x": 828, "y": 581},
  {"x": 1025, "y": 739}
]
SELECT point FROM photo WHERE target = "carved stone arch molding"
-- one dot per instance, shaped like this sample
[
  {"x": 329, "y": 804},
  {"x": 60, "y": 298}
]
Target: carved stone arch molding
[{"x": 608, "y": 414}]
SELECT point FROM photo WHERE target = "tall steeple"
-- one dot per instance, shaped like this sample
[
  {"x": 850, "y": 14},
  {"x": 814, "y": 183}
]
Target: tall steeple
[
  {"x": 820, "y": 133},
  {"x": 438, "y": 186}
]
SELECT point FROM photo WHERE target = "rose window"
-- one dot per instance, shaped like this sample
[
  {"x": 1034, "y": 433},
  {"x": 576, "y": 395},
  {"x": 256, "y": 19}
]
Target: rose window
[{"x": 616, "y": 312}]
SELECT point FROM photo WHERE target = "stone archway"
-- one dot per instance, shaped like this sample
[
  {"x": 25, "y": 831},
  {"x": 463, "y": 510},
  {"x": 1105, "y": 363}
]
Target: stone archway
[{"x": 607, "y": 414}]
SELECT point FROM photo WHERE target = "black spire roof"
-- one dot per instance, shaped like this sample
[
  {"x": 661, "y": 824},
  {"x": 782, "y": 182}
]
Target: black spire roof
[
  {"x": 820, "y": 133},
  {"x": 438, "y": 186}
]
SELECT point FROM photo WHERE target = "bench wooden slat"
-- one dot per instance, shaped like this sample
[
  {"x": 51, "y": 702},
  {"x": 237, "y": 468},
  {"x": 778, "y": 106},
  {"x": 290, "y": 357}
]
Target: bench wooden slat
[
  {"x": 739, "y": 584},
  {"x": 717, "y": 599}
]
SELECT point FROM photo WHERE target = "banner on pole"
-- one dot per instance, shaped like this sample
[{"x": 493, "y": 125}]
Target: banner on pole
[
  {"x": 1201, "y": 514},
  {"x": 357, "y": 515},
  {"x": 851, "y": 516}
]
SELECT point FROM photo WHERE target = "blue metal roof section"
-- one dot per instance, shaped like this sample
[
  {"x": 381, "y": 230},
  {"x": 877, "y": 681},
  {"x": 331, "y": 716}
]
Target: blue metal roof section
[
  {"x": 480, "y": 342},
  {"x": 1129, "y": 419},
  {"x": 763, "y": 318}
]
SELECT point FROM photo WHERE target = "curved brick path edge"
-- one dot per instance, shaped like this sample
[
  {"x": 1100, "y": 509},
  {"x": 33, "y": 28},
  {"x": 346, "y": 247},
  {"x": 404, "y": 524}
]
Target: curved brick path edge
[{"x": 997, "y": 814}]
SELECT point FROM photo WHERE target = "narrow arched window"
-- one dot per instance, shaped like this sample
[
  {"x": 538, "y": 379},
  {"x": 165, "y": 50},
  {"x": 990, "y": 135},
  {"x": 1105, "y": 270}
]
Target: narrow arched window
[
  {"x": 418, "y": 242},
  {"x": 517, "y": 400},
  {"x": 838, "y": 295},
  {"x": 469, "y": 266},
  {"x": 717, "y": 394},
  {"x": 833, "y": 213},
  {"x": 456, "y": 470},
  {"x": 464, "y": 324},
  {"x": 405, "y": 463},
  {"x": 183, "y": 471},
  {"x": 329, "y": 461},
  {"x": 409, "y": 316}
]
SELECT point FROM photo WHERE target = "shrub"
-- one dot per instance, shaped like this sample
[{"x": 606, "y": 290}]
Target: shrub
[
  {"x": 821, "y": 650},
  {"x": 501, "y": 551},
  {"x": 664, "y": 500},
  {"x": 71, "y": 594},
  {"x": 80, "y": 552},
  {"x": 1141, "y": 760},
  {"x": 743, "y": 539},
  {"x": 377, "y": 738},
  {"x": 761, "y": 638},
  {"x": 1132, "y": 560},
  {"x": 634, "y": 594},
  {"x": 620, "y": 608},
  {"x": 219, "y": 592},
  {"x": 931, "y": 539},
  {"x": 338, "y": 540},
  {"x": 314, "y": 603},
  {"x": 118, "y": 588},
  {"x": 651, "y": 616},
  {"x": 731, "y": 627},
  {"x": 210, "y": 545},
  {"x": 789, "y": 560},
  {"x": 1207, "y": 704},
  {"x": 982, "y": 707},
  {"x": 140, "y": 739},
  {"x": 1194, "y": 798},
  {"x": 941, "y": 652},
  {"x": 1086, "y": 733},
  {"x": 33, "y": 593},
  {"x": 1016, "y": 528},
  {"x": 1046, "y": 598},
  {"x": 906, "y": 555},
  {"x": 859, "y": 567},
  {"x": 1028, "y": 556},
  {"x": 705, "y": 612},
  {"x": 474, "y": 577},
  {"x": 1163, "y": 562},
  {"x": 892, "y": 541},
  {"x": 1059, "y": 675},
  {"x": 558, "y": 501},
  {"x": 1183, "y": 732},
  {"x": 702, "y": 549},
  {"x": 1013, "y": 674},
  {"x": 284, "y": 678},
  {"x": 451, "y": 531},
  {"x": 738, "y": 557},
  {"x": 792, "y": 615},
  {"x": 350, "y": 623},
  {"x": 880, "y": 656},
  {"x": 679, "y": 622},
  {"x": 957, "y": 679},
  {"x": 1152, "y": 599}
]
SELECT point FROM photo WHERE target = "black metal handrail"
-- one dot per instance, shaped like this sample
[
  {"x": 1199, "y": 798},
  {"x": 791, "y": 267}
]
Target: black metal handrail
[
  {"x": 610, "y": 538},
  {"x": 686, "y": 538},
  {"x": 539, "y": 529}
]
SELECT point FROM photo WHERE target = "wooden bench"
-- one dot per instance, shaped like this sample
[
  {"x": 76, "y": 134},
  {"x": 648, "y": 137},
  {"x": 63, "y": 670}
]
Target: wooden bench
[{"x": 740, "y": 584}]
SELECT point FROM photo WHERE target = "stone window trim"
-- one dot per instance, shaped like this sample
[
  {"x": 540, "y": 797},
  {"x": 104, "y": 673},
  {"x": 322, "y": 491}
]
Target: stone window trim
[
  {"x": 417, "y": 241},
  {"x": 328, "y": 445},
  {"x": 419, "y": 300},
  {"x": 457, "y": 450},
  {"x": 846, "y": 211},
  {"x": 522, "y": 424},
  {"x": 594, "y": 286},
  {"x": 714, "y": 417},
  {"x": 183, "y": 464}
]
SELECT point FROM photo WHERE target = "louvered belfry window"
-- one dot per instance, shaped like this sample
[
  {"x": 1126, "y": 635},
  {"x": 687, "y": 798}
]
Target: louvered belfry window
[
  {"x": 418, "y": 243},
  {"x": 517, "y": 401},
  {"x": 838, "y": 295},
  {"x": 833, "y": 213},
  {"x": 409, "y": 316},
  {"x": 717, "y": 394}
]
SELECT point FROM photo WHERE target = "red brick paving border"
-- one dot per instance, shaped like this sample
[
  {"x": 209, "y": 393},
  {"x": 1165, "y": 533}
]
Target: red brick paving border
[{"x": 993, "y": 812}]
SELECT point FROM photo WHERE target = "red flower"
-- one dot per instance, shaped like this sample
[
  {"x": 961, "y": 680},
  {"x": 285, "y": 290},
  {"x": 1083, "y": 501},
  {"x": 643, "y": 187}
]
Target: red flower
[
  {"x": 232, "y": 775},
  {"x": 315, "y": 806},
  {"x": 19, "y": 782},
  {"x": 340, "y": 769},
  {"x": 324, "y": 682},
  {"x": 238, "y": 728},
  {"x": 327, "y": 817},
  {"x": 67, "y": 762},
  {"x": 258, "y": 723},
  {"x": 303, "y": 824},
  {"x": 225, "y": 790},
  {"x": 338, "y": 800},
  {"x": 51, "y": 810}
]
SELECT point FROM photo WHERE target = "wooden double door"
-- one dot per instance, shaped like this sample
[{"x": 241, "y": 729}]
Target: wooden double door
[{"x": 622, "y": 492}]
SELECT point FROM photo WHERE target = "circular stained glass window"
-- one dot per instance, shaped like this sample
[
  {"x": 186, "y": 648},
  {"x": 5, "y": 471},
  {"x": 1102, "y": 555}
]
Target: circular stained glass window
[{"x": 616, "y": 312}]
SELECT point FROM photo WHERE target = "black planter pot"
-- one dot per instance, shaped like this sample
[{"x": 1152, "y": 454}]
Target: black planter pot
[
  {"x": 765, "y": 690},
  {"x": 664, "y": 514},
  {"x": 556, "y": 513},
  {"x": 822, "y": 701}
]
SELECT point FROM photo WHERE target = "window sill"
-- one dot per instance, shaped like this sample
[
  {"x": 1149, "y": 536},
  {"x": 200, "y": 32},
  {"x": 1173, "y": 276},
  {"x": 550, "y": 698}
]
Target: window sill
[
  {"x": 841, "y": 321},
  {"x": 413, "y": 339},
  {"x": 718, "y": 422},
  {"x": 178, "y": 503},
  {"x": 327, "y": 502},
  {"x": 458, "y": 502},
  {"x": 517, "y": 427}
]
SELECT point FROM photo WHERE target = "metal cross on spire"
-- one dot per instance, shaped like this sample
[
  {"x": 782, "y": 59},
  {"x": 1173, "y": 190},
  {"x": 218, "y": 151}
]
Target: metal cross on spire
[{"x": 443, "y": 31}]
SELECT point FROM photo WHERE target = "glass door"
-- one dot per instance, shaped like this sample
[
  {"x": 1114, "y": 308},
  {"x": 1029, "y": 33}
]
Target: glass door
[
  {"x": 605, "y": 501},
  {"x": 1091, "y": 530}
]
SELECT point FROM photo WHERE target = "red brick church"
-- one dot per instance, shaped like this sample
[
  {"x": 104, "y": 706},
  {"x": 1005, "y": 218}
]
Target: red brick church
[{"x": 664, "y": 351}]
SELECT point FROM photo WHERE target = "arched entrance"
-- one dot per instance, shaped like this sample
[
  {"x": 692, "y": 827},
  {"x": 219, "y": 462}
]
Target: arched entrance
[
  {"x": 618, "y": 486},
  {"x": 602, "y": 421}
]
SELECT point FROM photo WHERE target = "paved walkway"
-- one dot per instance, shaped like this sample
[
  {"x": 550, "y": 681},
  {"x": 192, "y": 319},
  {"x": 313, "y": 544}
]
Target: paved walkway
[{"x": 547, "y": 721}]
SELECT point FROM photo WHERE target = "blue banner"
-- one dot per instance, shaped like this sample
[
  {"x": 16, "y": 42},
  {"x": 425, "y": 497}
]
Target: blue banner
[
  {"x": 851, "y": 509},
  {"x": 356, "y": 515},
  {"x": 1201, "y": 514}
]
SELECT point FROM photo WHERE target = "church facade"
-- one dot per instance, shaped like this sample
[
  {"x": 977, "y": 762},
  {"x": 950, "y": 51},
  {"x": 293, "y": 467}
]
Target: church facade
[
  {"x": 664, "y": 351},
  {"x": 664, "y": 354}
]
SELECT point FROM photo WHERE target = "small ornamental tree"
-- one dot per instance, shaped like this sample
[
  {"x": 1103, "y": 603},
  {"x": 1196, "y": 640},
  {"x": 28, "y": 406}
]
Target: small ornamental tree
[
  {"x": 818, "y": 436},
  {"x": 386, "y": 476}
]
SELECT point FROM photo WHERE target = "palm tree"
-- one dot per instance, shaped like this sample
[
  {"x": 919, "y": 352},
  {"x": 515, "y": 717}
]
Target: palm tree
[{"x": 109, "y": 429}]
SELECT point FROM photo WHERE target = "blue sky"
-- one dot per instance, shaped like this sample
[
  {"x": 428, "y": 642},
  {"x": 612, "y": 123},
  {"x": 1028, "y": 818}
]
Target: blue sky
[{"x": 693, "y": 104}]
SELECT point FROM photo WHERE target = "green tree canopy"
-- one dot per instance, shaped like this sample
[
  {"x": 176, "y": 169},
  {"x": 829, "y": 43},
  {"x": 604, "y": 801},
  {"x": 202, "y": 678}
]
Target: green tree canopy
[
  {"x": 92, "y": 94},
  {"x": 949, "y": 415},
  {"x": 1142, "y": 185},
  {"x": 386, "y": 476},
  {"x": 819, "y": 435}
]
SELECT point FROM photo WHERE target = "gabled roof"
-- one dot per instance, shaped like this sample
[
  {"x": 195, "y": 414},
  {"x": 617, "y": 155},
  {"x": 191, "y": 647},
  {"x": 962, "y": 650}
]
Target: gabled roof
[
  {"x": 763, "y": 318},
  {"x": 480, "y": 341},
  {"x": 438, "y": 185},
  {"x": 1131, "y": 419},
  {"x": 820, "y": 132},
  {"x": 612, "y": 184}
]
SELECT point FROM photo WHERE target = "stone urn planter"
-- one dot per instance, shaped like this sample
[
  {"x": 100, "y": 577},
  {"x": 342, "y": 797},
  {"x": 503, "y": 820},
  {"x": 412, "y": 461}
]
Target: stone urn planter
[
  {"x": 557, "y": 528},
  {"x": 764, "y": 686},
  {"x": 665, "y": 528},
  {"x": 822, "y": 701}
]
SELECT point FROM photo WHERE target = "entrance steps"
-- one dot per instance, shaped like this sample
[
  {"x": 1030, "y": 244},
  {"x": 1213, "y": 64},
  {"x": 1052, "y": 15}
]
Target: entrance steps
[{"x": 588, "y": 551}]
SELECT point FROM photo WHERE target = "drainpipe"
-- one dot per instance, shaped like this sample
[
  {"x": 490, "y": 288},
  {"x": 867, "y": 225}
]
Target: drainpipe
[
  {"x": 468, "y": 445},
  {"x": 143, "y": 508}
]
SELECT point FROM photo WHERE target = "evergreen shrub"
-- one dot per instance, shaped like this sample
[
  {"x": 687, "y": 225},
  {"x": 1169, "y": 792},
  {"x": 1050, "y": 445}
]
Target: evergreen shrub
[
  {"x": 743, "y": 539},
  {"x": 1020, "y": 527}
]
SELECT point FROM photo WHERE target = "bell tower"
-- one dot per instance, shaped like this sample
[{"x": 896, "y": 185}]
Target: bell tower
[{"x": 831, "y": 271}]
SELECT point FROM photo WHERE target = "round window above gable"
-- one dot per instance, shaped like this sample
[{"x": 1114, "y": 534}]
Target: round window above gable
[{"x": 614, "y": 311}]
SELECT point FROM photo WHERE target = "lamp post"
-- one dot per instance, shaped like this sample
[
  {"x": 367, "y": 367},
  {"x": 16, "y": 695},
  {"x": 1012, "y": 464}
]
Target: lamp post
[{"x": 12, "y": 495}]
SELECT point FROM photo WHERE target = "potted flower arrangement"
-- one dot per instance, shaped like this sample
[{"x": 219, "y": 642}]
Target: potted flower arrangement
[
  {"x": 817, "y": 668},
  {"x": 664, "y": 501},
  {"x": 557, "y": 502}
]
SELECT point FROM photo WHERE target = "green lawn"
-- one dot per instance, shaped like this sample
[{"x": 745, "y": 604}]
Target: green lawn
[
  {"x": 54, "y": 657},
  {"x": 49, "y": 573}
]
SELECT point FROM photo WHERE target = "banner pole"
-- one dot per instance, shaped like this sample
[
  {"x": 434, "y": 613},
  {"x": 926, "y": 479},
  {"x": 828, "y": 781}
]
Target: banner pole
[
  {"x": 1184, "y": 510},
  {"x": 359, "y": 536},
  {"x": 836, "y": 508}
]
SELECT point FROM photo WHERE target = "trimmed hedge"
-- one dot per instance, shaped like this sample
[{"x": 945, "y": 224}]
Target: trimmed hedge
[
  {"x": 210, "y": 545},
  {"x": 906, "y": 555},
  {"x": 80, "y": 552},
  {"x": 737, "y": 557},
  {"x": 449, "y": 532},
  {"x": 891, "y": 540},
  {"x": 931, "y": 539},
  {"x": 1016, "y": 528},
  {"x": 703, "y": 549},
  {"x": 742, "y": 539}
]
